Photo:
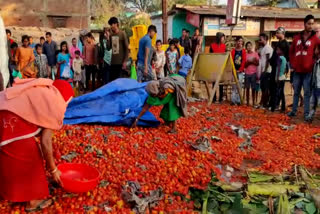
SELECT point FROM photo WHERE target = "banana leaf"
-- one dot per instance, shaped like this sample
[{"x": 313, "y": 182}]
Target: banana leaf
[
  {"x": 271, "y": 189},
  {"x": 283, "y": 206},
  {"x": 255, "y": 177}
]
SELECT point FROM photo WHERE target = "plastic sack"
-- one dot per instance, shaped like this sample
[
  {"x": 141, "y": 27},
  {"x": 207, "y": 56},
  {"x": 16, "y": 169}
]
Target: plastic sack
[
  {"x": 133, "y": 74},
  {"x": 66, "y": 73},
  {"x": 235, "y": 97},
  {"x": 16, "y": 74}
]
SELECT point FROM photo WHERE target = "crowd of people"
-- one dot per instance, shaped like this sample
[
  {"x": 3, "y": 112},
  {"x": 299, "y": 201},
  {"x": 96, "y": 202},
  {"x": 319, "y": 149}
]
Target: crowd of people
[
  {"x": 78, "y": 63},
  {"x": 260, "y": 67},
  {"x": 264, "y": 69}
]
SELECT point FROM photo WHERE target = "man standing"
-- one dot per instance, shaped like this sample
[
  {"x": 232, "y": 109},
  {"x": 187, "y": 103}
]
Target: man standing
[
  {"x": 144, "y": 56},
  {"x": 118, "y": 42},
  {"x": 302, "y": 61},
  {"x": 265, "y": 67},
  {"x": 49, "y": 49},
  {"x": 239, "y": 56},
  {"x": 185, "y": 41},
  {"x": 280, "y": 34}
]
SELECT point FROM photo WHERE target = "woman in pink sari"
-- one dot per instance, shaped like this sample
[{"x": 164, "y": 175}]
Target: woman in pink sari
[{"x": 32, "y": 107}]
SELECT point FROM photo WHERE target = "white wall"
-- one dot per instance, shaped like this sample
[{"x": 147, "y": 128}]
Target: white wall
[{"x": 158, "y": 23}]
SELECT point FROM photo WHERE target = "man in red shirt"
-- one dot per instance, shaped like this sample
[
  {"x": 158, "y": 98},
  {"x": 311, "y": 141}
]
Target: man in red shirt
[
  {"x": 302, "y": 61},
  {"x": 218, "y": 47}
]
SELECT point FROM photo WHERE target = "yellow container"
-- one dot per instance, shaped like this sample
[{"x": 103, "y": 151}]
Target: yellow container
[{"x": 138, "y": 31}]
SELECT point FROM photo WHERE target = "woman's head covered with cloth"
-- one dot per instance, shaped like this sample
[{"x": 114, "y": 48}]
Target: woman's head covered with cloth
[
  {"x": 42, "y": 102},
  {"x": 153, "y": 88}
]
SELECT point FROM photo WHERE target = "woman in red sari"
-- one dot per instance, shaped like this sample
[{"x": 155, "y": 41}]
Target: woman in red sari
[{"x": 31, "y": 107}]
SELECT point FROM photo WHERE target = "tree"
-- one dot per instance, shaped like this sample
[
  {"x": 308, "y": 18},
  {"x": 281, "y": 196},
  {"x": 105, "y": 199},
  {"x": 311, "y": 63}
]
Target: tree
[
  {"x": 102, "y": 10},
  {"x": 271, "y": 3},
  {"x": 128, "y": 22},
  {"x": 144, "y": 6}
]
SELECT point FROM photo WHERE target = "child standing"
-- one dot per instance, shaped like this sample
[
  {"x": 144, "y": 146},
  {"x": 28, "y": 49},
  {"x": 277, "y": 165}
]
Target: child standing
[
  {"x": 172, "y": 58},
  {"x": 185, "y": 63},
  {"x": 63, "y": 62},
  {"x": 78, "y": 66},
  {"x": 161, "y": 60},
  {"x": 315, "y": 85},
  {"x": 251, "y": 67},
  {"x": 12, "y": 61},
  {"x": 41, "y": 62},
  {"x": 280, "y": 78}
]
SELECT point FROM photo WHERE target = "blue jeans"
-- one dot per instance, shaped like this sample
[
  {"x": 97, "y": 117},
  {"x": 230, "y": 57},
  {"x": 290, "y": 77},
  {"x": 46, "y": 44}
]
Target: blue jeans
[
  {"x": 302, "y": 80},
  {"x": 314, "y": 102},
  {"x": 141, "y": 77}
]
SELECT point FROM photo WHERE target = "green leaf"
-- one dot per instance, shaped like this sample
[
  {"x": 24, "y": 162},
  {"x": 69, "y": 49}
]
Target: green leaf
[
  {"x": 310, "y": 208},
  {"x": 213, "y": 206},
  {"x": 225, "y": 206},
  {"x": 256, "y": 208}
]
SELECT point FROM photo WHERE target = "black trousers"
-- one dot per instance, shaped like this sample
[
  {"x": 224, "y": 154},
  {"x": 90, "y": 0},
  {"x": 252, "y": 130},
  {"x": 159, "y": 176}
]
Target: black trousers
[
  {"x": 220, "y": 94},
  {"x": 280, "y": 97},
  {"x": 273, "y": 91},
  {"x": 91, "y": 73},
  {"x": 117, "y": 72},
  {"x": 105, "y": 73}
]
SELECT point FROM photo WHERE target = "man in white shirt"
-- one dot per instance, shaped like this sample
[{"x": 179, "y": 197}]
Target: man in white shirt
[{"x": 266, "y": 69}]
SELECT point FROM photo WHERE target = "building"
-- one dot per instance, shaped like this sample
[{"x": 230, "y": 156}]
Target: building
[
  {"x": 46, "y": 13},
  {"x": 253, "y": 21}
]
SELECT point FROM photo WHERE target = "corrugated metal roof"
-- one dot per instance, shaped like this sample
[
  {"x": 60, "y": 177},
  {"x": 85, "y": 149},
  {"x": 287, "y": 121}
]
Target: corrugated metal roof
[{"x": 253, "y": 11}]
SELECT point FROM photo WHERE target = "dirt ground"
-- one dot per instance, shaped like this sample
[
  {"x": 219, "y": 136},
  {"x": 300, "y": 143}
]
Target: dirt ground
[{"x": 289, "y": 101}]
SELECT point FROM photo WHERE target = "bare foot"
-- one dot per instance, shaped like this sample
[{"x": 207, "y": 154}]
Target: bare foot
[{"x": 36, "y": 205}]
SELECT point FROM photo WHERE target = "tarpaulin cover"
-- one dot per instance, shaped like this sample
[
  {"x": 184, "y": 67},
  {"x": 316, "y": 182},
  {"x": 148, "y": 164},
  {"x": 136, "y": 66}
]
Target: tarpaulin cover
[{"x": 117, "y": 103}]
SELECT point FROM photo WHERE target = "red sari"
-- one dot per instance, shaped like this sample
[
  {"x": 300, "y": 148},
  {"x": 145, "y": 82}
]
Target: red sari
[{"x": 22, "y": 173}]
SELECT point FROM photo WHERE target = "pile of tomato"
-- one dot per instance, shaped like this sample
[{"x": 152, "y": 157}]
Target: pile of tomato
[{"x": 155, "y": 158}]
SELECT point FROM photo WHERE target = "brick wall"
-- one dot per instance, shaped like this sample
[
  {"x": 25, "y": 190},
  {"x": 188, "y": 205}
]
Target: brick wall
[{"x": 46, "y": 13}]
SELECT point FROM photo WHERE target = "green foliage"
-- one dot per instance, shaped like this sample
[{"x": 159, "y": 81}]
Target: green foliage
[
  {"x": 271, "y": 3},
  {"x": 128, "y": 22},
  {"x": 103, "y": 10}
]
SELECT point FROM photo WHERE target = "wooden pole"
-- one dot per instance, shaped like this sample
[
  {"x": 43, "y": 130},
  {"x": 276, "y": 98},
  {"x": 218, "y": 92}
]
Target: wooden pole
[{"x": 164, "y": 22}]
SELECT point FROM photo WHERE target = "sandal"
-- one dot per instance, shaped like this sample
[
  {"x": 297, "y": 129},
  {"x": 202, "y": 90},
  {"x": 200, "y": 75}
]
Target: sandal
[{"x": 40, "y": 206}]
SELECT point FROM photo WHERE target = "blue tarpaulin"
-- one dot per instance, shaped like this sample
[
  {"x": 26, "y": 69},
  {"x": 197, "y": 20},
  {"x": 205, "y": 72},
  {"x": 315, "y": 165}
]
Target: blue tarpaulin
[{"x": 117, "y": 103}]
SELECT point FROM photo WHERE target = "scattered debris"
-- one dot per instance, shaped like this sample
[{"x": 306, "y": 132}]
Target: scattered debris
[
  {"x": 161, "y": 156},
  {"x": 215, "y": 138},
  {"x": 99, "y": 153},
  {"x": 118, "y": 134},
  {"x": 193, "y": 111},
  {"x": 104, "y": 183},
  {"x": 69, "y": 132},
  {"x": 246, "y": 135},
  {"x": 89, "y": 148},
  {"x": 88, "y": 208},
  {"x": 140, "y": 201},
  {"x": 105, "y": 138},
  {"x": 69, "y": 157},
  {"x": 141, "y": 166},
  {"x": 316, "y": 136},
  {"x": 286, "y": 128},
  {"x": 203, "y": 145}
]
